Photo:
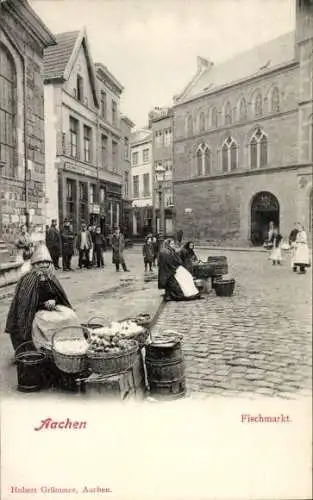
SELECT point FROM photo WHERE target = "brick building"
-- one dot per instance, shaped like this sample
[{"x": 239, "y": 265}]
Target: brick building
[
  {"x": 23, "y": 37},
  {"x": 83, "y": 135},
  {"x": 161, "y": 122},
  {"x": 243, "y": 141}
]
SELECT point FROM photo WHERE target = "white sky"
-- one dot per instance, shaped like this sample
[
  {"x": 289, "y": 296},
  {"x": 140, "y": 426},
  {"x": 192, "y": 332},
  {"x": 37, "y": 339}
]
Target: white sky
[{"x": 151, "y": 46}]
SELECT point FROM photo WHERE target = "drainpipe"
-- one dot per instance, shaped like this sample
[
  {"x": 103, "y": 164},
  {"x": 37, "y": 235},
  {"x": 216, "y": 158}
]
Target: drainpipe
[{"x": 26, "y": 211}]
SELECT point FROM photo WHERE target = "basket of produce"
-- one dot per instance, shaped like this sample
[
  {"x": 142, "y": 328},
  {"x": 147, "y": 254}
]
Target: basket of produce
[
  {"x": 94, "y": 324},
  {"x": 69, "y": 349},
  {"x": 136, "y": 329},
  {"x": 224, "y": 288},
  {"x": 219, "y": 265},
  {"x": 111, "y": 353}
]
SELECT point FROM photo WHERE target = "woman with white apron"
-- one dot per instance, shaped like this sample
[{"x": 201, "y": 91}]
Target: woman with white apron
[{"x": 301, "y": 255}]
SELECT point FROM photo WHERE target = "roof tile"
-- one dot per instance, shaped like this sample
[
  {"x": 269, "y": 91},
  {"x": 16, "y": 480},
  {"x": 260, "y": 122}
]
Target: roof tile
[{"x": 57, "y": 56}]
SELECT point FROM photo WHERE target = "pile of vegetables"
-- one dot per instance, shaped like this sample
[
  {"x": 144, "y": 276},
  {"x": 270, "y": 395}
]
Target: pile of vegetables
[{"x": 114, "y": 339}]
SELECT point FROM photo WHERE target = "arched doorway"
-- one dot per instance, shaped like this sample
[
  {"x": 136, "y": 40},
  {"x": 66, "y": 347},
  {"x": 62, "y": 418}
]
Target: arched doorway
[{"x": 264, "y": 209}]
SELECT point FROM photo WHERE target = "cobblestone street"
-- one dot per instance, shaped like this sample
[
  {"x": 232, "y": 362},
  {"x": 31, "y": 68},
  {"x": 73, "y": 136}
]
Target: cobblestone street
[{"x": 257, "y": 342}]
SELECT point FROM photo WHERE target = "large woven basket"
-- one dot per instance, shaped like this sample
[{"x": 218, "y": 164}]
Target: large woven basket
[
  {"x": 69, "y": 363},
  {"x": 106, "y": 363}
]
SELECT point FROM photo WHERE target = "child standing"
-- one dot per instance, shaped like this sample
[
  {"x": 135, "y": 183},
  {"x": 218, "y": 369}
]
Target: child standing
[
  {"x": 148, "y": 253},
  {"x": 99, "y": 245},
  {"x": 276, "y": 251}
]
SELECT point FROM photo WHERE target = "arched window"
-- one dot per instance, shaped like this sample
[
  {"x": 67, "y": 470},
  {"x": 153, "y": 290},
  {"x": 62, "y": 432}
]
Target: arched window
[
  {"x": 258, "y": 149},
  {"x": 275, "y": 104},
  {"x": 214, "y": 118},
  {"x": 203, "y": 159},
  {"x": 229, "y": 155},
  {"x": 189, "y": 125},
  {"x": 258, "y": 104},
  {"x": 202, "y": 122},
  {"x": 7, "y": 111},
  {"x": 243, "y": 110},
  {"x": 228, "y": 115}
]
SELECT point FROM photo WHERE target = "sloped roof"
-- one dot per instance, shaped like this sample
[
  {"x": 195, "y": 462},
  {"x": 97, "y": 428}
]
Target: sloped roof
[
  {"x": 141, "y": 135},
  {"x": 57, "y": 57},
  {"x": 253, "y": 62}
]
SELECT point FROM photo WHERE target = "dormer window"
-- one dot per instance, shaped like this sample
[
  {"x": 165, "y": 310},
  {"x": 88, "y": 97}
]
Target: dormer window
[{"x": 80, "y": 88}]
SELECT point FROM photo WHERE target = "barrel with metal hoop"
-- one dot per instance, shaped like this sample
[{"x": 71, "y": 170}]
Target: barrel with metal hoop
[
  {"x": 30, "y": 366},
  {"x": 165, "y": 366}
]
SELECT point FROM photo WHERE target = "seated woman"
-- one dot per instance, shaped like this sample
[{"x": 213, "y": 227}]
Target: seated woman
[
  {"x": 173, "y": 277},
  {"x": 188, "y": 256},
  {"x": 37, "y": 291}
]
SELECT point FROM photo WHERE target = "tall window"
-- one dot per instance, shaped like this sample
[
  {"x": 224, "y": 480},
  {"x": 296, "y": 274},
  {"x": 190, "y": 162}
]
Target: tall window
[
  {"x": 70, "y": 198},
  {"x": 159, "y": 138},
  {"x": 104, "y": 150},
  {"x": 228, "y": 115},
  {"x": 92, "y": 194},
  {"x": 103, "y": 105},
  {"x": 80, "y": 88},
  {"x": 114, "y": 113},
  {"x": 203, "y": 159},
  {"x": 146, "y": 185},
  {"x": 167, "y": 137},
  {"x": 74, "y": 137},
  {"x": 136, "y": 186},
  {"x": 87, "y": 144},
  {"x": 126, "y": 148},
  {"x": 189, "y": 125},
  {"x": 214, "y": 120},
  {"x": 102, "y": 195},
  {"x": 7, "y": 111},
  {"x": 258, "y": 149},
  {"x": 275, "y": 105},
  {"x": 258, "y": 104},
  {"x": 115, "y": 156},
  {"x": 243, "y": 110},
  {"x": 126, "y": 184},
  {"x": 135, "y": 158},
  {"x": 146, "y": 155},
  {"x": 202, "y": 122},
  {"x": 83, "y": 201},
  {"x": 229, "y": 155}
]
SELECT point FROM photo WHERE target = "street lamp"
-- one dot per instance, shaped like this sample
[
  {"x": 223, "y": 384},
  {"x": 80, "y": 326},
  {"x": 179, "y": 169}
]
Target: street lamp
[{"x": 160, "y": 174}]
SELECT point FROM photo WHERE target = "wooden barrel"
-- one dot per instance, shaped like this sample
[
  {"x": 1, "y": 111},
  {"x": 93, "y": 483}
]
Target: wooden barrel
[
  {"x": 219, "y": 264},
  {"x": 29, "y": 364},
  {"x": 165, "y": 369}
]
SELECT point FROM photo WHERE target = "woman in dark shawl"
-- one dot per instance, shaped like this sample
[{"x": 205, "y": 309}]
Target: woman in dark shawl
[
  {"x": 188, "y": 256},
  {"x": 36, "y": 290},
  {"x": 173, "y": 277}
]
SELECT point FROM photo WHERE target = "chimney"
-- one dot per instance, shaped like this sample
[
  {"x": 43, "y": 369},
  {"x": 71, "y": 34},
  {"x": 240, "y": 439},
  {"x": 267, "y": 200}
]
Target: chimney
[{"x": 203, "y": 63}]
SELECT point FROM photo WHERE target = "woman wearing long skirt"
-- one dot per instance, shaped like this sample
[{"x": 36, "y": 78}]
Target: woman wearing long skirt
[
  {"x": 276, "y": 240},
  {"x": 301, "y": 256},
  {"x": 173, "y": 277}
]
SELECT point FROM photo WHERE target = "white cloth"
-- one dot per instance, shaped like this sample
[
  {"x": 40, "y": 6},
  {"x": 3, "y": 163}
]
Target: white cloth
[
  {"x": 185, "y": 281},
  {"x": 301, "y": 254},
  {"x": 276, "y": 254},
  {"x": 46, "y": 323},
  {"x": 83, "y": 241}
]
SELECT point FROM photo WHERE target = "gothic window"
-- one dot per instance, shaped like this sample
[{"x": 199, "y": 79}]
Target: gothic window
[
  {"x": 203, "y": 160},
  {"x": 229, "y": 155},
  {"x": 7, "y": 111},
  {"x": 258, "y": 149},
  {"x": 228, "y": 115},
  {"x": 243, "y": 110},
  {"x": 258, "y": 104},
  {"x": 202, "y": 122},
  {"x": 275, "y": 107},
  {"x": 214, "y": 118},
  {"x": 189, "y": 125}
]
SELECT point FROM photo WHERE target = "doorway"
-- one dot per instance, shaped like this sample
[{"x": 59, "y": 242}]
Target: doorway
[{"x": 264, "y": 209}]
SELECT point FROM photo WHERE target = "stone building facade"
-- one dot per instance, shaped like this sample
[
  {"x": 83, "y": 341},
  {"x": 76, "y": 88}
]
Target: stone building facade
[
  {"x": 83, "y": 135},
  {"x": 126, "y": 218},
  {"x": 161, "y": 122},
  {"x": 243, "y": 141},
  {"x": 23, "y": 37}
]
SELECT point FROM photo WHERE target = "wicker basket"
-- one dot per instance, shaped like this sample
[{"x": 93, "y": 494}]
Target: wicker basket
[
  {"x": 224, "y": 288},
  {"x": 70, "y": 363},
  {"x": 106, "y": 363},
  {"x": 219, "y": 264}
]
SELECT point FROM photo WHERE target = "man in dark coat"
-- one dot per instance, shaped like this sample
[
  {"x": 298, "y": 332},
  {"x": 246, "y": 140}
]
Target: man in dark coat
[
  {"x": 68, "y": 238},
  {"x": 54, "y": 243},
  {"x": 293, "y": 235},
  {"x": 118, "y": 245}
]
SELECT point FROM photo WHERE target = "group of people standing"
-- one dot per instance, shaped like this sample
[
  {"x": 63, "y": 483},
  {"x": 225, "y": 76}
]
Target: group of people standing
[{"x": 300, "y": 257}]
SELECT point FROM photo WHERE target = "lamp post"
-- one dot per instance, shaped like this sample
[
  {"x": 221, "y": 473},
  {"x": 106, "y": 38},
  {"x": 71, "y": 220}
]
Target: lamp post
[{"x": 160, "y": 173}]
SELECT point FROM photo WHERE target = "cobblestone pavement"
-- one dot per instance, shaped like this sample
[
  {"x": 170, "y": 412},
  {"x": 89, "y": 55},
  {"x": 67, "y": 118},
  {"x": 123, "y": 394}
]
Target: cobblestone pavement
[
  {"x": 92, "y": 293},
  {"x": 257, "y": 342}
]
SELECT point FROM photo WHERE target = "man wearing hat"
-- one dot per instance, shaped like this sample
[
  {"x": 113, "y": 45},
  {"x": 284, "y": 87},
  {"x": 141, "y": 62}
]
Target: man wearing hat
[
  {"x": 54, "y": 243},
  {"x": 67, "y": 237},
  {"x": 38, "y": 289}
]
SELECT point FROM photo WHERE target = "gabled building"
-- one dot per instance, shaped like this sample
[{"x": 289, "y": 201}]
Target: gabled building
[
  {"x": 83, "y": 136},
  {"x": 243, "y": 141},
  {"x": 23, "y": 37}
]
